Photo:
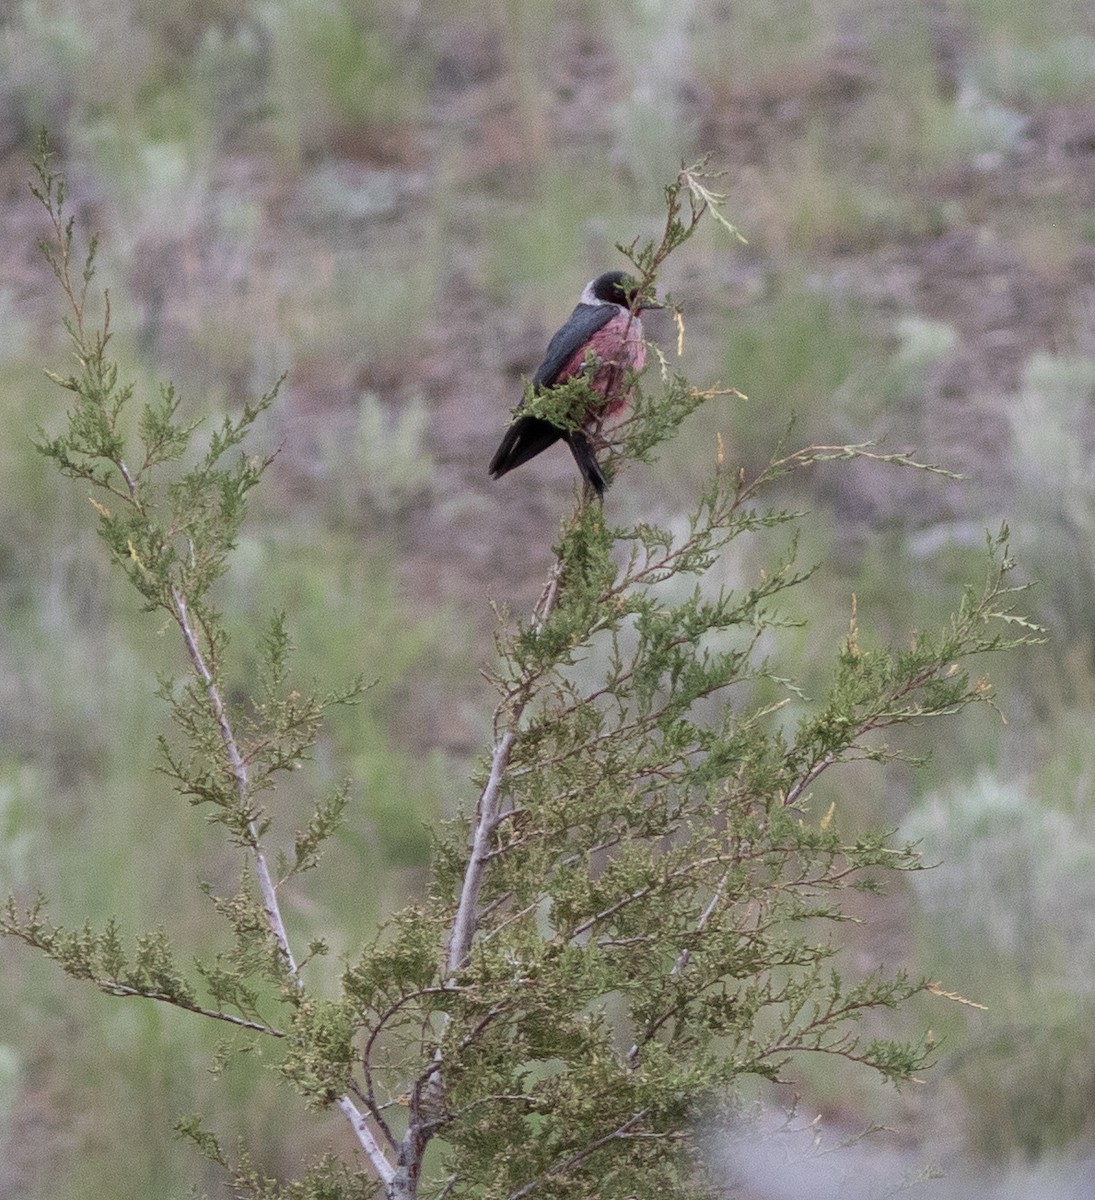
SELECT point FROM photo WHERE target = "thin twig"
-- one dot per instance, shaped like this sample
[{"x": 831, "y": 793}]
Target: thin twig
[
  {"x": 688, "y": 869},
  {"x": 701, "y": 924},
  {"x": 575, "y": 1160},
  {"x": 270, "y": 903},
  {"x": 92, "y": 357},
  {"x": 466, "y": 920},
  {"x": 239, "y": 774},
  {"x": 682, "y": 960}
]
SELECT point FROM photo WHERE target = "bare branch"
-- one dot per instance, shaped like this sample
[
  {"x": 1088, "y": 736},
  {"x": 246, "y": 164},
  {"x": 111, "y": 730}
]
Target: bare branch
[
  {"x": 369, "y": 1144},
  {"x": 487, "y": 817},
  {"x": 486, "y": 820}
]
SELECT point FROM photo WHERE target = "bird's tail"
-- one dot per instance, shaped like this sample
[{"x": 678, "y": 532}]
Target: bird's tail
[{"x": 587, "y": 463}]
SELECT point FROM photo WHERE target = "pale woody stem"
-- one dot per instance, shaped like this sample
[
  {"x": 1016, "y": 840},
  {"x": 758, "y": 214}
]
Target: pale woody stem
[
  {"x": 486, "y": 817},
  {"x": 239, "y": 774},
  {"x": 270, "y": 904}
]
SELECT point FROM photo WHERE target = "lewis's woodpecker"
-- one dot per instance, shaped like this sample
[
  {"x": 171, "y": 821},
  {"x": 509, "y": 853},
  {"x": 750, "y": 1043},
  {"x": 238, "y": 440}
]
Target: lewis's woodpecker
[{"x": 606, "y": 323}]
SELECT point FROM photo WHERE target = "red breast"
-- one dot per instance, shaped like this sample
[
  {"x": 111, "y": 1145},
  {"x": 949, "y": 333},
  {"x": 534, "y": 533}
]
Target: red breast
[{"x": 620, "y": 348}]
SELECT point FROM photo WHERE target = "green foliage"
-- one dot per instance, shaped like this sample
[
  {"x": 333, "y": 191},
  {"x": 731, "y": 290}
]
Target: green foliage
[
  {"x": 170, "y": 528},
  {"x": 326, "y": 1179},
  {"x": 321, "y": 1052},
  {"x": 150, "y": 970},
  {"x": 648, "y": 935},
  {"x": 641, "y": 912}
]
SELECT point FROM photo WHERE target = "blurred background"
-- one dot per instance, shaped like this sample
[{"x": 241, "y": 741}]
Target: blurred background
[{"x": 396, "y": 203}]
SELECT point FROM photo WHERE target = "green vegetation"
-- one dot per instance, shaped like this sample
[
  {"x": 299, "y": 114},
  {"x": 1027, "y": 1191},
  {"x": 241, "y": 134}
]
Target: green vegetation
[
  {"x": 393, "y": 203},
  {"x": 624, "y": 929}
]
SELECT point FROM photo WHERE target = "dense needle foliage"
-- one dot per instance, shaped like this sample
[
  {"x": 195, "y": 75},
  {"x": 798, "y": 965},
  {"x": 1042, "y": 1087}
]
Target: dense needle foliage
[{"x": 641, "y": 909}]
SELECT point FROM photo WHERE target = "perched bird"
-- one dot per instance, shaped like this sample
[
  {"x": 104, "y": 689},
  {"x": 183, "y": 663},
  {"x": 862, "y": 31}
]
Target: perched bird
[{"x": 605, "y": 328}]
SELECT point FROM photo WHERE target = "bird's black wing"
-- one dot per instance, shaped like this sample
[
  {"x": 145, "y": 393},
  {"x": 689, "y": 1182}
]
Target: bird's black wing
[
  {"x": 524, "y": 439},
  {"x": 580, "y": 326},
  {"x": 528, "y": 436}
]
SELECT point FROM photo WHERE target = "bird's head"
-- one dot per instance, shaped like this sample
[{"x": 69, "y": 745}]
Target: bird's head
[{"x": 617, "y": 287}]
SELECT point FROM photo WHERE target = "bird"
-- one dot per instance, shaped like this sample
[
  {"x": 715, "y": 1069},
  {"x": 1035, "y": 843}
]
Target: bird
[{"x": 602, "y": 337}]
